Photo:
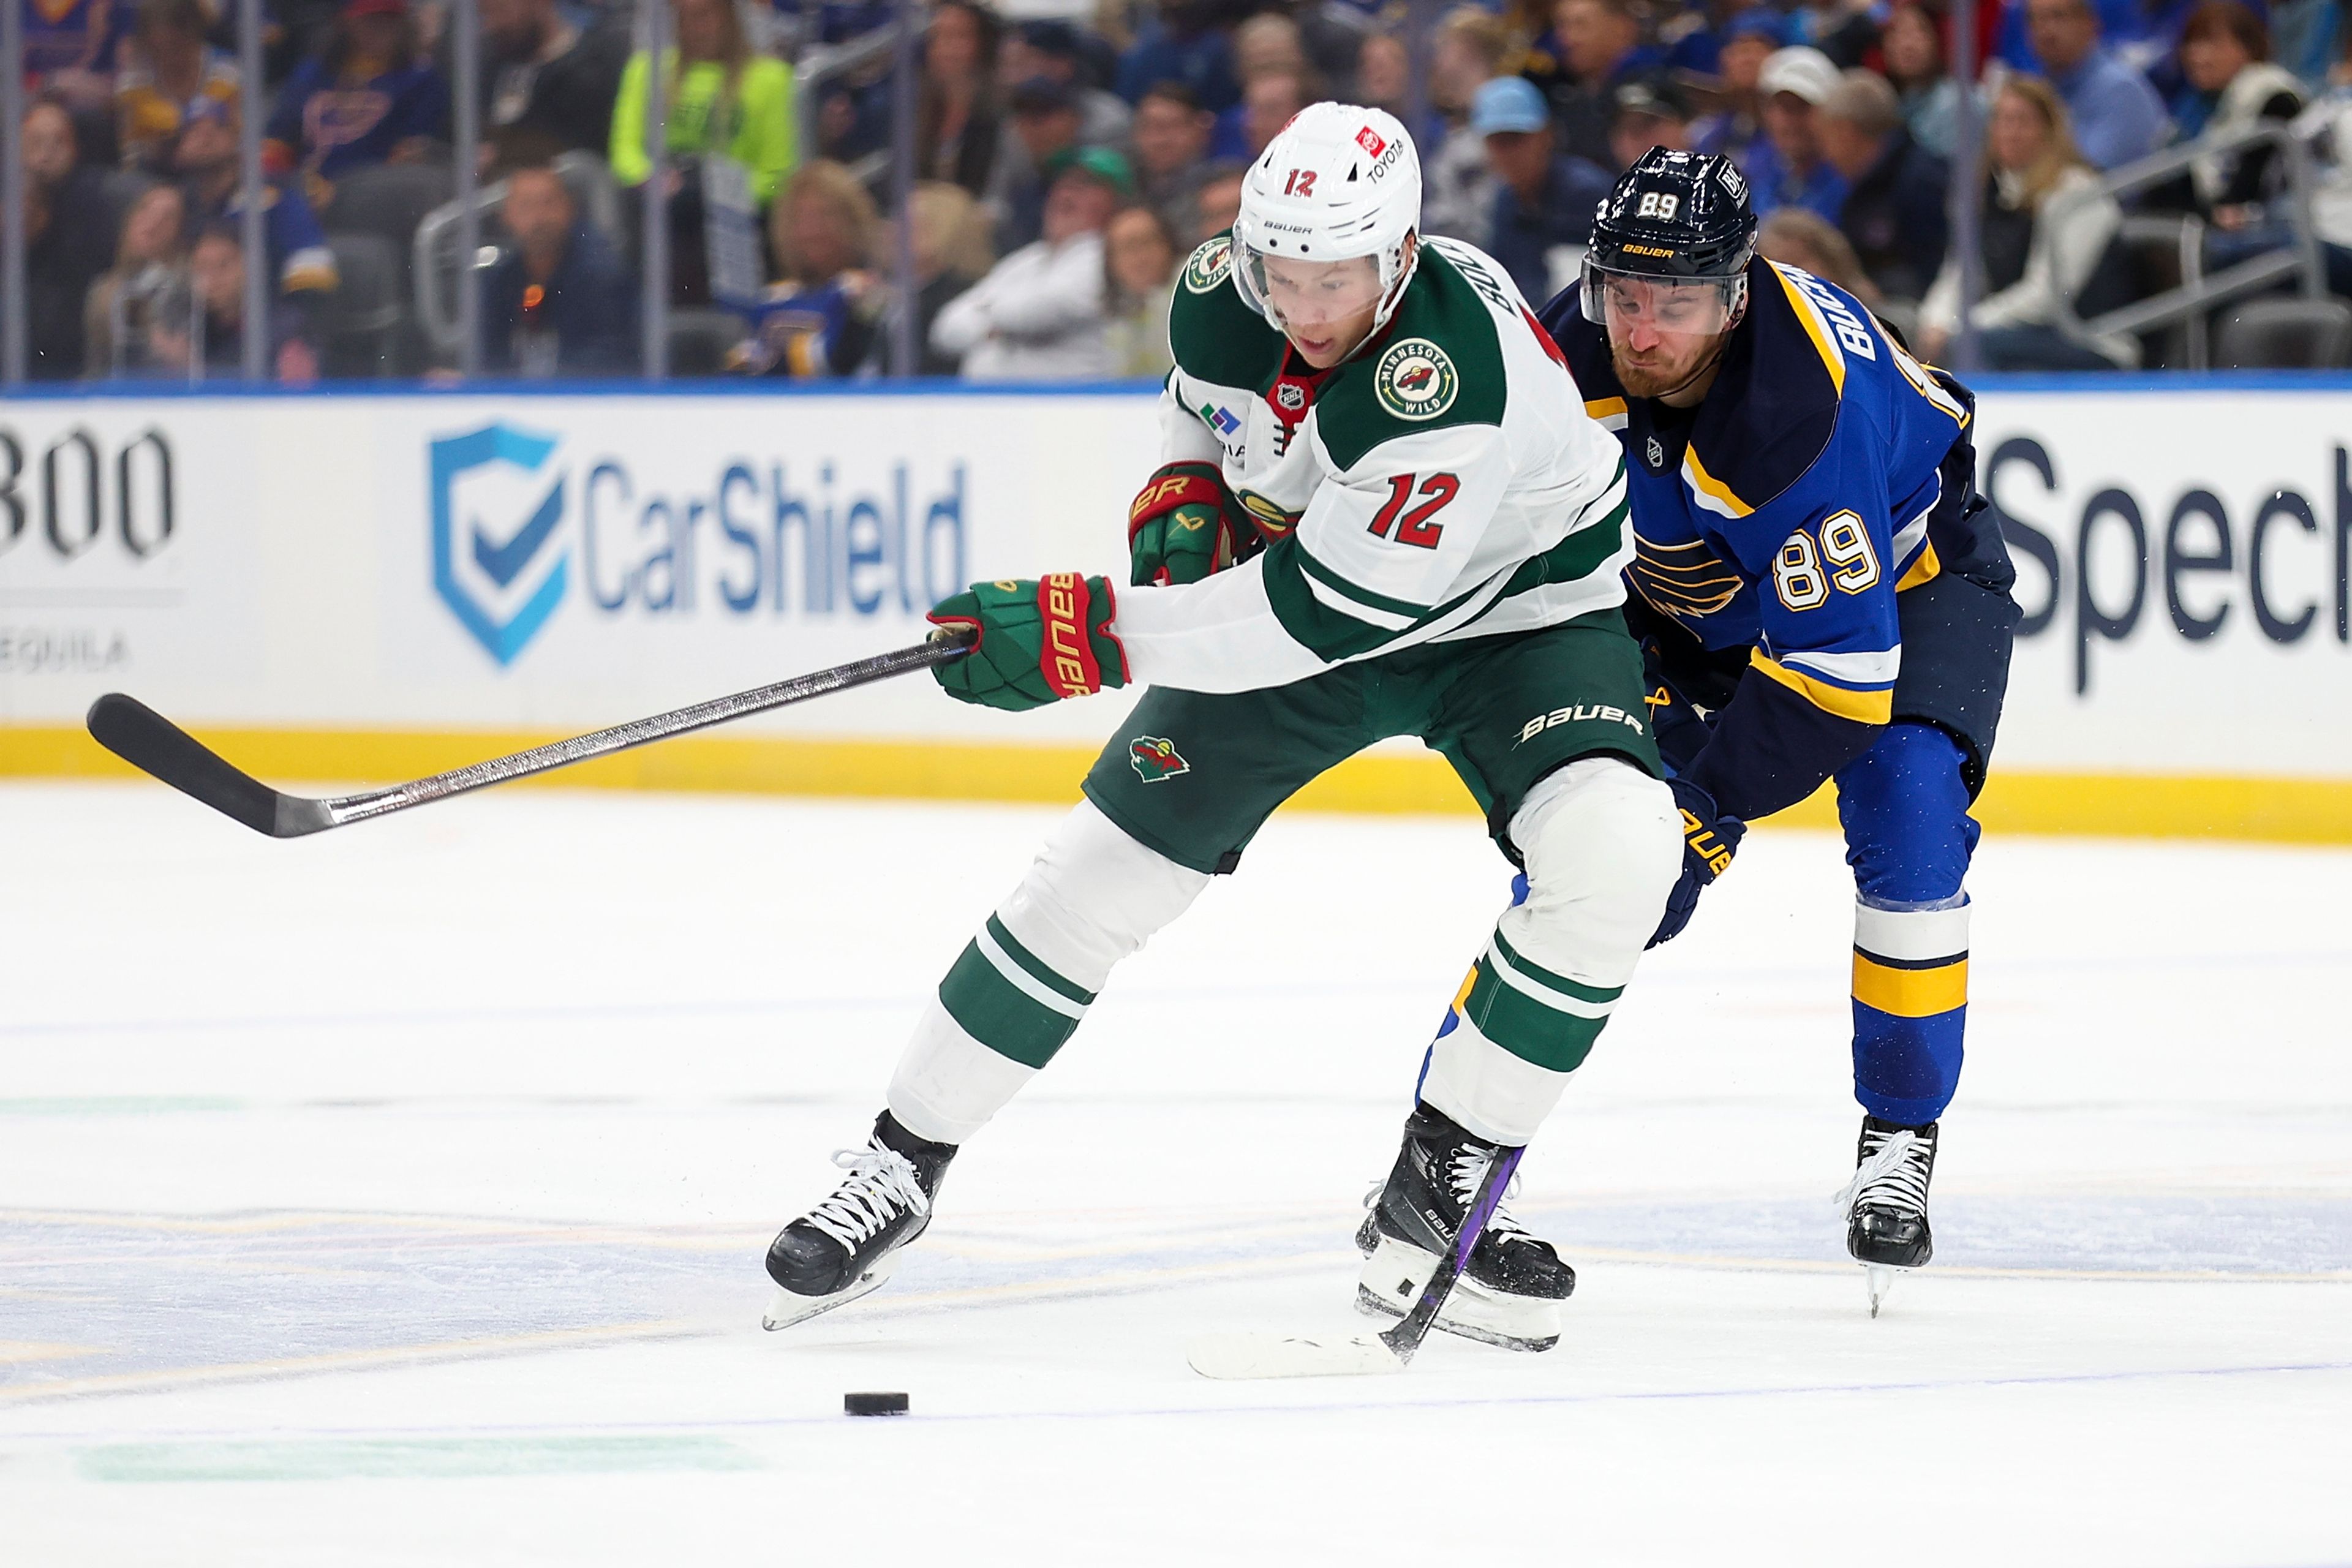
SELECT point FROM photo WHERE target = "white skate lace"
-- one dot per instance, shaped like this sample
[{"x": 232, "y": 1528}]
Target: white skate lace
[
  {"x": 1469, "y": 1170},
  {"x": 883, "y": 1184},
  {"x": 1893, "y": 1175},
  {"x": 1470, "y": 1163}
]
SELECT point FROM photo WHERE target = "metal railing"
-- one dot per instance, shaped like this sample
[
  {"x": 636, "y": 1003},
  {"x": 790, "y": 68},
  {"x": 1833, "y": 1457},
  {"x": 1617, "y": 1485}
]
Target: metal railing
[
  {"x": 2190, "y": 304},
  {"x": 443, "y": 245},
  {"x": 449, "y": 254},
  {"x": 821, "y": 66}
]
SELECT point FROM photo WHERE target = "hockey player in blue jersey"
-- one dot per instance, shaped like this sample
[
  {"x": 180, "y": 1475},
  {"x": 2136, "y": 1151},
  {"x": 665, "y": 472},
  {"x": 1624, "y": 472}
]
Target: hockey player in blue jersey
[{"x": 1820, "y": 594}]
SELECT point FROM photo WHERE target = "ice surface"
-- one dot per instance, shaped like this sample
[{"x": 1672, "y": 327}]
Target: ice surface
[{"x": 398, "y": 1197}]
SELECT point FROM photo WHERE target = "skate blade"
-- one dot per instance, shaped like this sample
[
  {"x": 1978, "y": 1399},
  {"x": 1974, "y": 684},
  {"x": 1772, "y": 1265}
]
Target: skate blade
[
  {"x": 1392, "y": 1281},
  {"x": 1880, "y": 1277},
  {"x": 1245, "y": 1356},
  {"x": 785, "y": 1307}
]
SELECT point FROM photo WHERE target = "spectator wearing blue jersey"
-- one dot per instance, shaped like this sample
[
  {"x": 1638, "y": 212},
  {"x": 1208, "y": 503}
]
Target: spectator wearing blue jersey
[
  {"x": 1543, "y": 198},
  {"x": 1692, "y": 41},
  {"x": 370, "y": 97},
  {"x": 2115, "y": 114},
  {"x": 1182, "y": 41},
  {"x": 1736, "y": 131},
  {"x": 206, "y": 159},
  {"x": 2139, "y": 32},
  {"x": 557, "y": 302},
  {"x": 818, "y": 320},
  {"x": 70, "y": 49},
  {"x": 1787, "y": 169}
]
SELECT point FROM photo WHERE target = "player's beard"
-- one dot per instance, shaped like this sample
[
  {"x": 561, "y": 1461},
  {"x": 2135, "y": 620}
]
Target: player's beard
[{"x": 1657, "y": 377}]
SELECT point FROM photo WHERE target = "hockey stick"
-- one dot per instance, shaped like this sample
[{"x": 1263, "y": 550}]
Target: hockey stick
[
  {"x": 1296, "y": 1356},
  {"x": 154, "y": 744}
]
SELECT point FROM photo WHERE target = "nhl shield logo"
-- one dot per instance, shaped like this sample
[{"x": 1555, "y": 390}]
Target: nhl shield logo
[
  {"x": 1656, "y": 453},
  {"x": 1416, "y": 380},
  {"x": 1290, "y": 397},
  {"x": 1210, "y": 266},
  {"x": 1156, "y": 759}
]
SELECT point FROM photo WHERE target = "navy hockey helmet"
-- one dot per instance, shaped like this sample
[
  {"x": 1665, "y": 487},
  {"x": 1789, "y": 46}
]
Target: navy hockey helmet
[{"x": 1675, "y": 217}]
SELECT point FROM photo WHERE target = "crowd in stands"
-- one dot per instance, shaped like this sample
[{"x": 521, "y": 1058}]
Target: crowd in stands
[{"x": 1066, "y": 166}]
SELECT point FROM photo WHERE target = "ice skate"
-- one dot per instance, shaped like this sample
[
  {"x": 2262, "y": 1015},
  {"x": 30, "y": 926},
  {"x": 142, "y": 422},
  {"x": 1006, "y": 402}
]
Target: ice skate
[
  {"x": 847, "y": 1246},
  {"x": 1510, "y": 1293},
  {"x": 1886, "y": 1204}
]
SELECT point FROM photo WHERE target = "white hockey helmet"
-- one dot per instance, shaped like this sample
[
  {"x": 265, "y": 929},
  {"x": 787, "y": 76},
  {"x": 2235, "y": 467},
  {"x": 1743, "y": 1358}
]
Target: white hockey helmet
[{"x": 1340, "y": 181}]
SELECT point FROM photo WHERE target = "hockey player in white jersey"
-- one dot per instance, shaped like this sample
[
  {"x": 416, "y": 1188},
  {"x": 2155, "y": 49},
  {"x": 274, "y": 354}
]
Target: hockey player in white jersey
[{"x": 1382, "y": 510}]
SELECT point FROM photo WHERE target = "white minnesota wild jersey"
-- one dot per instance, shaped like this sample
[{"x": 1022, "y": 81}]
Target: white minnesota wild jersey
[{"x": 1444, "y": 483}]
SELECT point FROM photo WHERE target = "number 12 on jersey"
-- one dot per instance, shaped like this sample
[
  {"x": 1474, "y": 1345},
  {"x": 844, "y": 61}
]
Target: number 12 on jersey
[{"x": 1414, "y": 527}]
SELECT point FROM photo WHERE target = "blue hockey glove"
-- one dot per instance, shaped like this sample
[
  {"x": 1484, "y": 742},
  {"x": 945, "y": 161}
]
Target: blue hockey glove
[{"x": 1708, "y": 841}]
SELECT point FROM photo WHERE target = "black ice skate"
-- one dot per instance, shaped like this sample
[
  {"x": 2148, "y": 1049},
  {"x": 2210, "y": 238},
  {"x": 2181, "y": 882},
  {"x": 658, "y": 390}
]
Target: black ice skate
[
  {"x": 1886, "y": 1202},
  {"x": 1510, "y": 1293},
  {"x": 847, "y": 1246}
]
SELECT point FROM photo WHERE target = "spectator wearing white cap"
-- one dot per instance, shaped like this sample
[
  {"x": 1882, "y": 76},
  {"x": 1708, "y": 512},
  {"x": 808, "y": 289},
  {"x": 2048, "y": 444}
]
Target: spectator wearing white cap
[
  {"x": 1789, "y": 170},
  {"x": 1544, "y": 200}
]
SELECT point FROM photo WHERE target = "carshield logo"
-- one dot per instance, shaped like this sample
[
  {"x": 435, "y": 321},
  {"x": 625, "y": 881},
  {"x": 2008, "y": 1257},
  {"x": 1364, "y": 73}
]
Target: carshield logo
[{"x": 504, "y": 577}]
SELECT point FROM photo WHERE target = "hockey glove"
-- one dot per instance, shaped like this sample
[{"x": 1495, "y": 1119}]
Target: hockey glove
[
  {"x": 1184, "y": 524},
  {"x": 1708, "y": 841},
  {"x": 1039, "y": 640}
]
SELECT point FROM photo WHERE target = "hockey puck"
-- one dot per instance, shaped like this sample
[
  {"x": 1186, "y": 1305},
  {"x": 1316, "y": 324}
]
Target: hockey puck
[{"x": 873, "y": 1404}]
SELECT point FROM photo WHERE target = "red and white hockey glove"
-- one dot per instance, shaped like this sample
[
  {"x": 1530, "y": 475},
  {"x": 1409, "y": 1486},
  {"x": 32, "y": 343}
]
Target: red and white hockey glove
[{"x": 1183, "y": 524}]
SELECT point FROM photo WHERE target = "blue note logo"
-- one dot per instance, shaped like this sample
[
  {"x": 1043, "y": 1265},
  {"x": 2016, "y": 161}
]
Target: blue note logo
[{"x": 497, "y": 562}]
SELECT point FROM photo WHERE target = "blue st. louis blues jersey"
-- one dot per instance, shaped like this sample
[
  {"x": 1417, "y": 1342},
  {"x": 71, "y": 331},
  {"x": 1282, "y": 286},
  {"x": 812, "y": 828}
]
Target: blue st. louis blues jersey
[{"x": 1825, "y": 472}]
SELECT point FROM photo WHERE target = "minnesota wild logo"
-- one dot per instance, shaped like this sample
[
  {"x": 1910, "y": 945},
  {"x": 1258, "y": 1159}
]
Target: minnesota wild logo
[
  {"x": 1416, "y": 380},
  {"x": 1210, "y": 265},
  {"x": 1155, "y": 759}
]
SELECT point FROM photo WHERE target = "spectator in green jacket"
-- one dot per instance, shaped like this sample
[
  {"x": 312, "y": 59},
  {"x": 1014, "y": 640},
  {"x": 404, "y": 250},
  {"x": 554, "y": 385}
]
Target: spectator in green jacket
[{"x": 721, "y": 98}]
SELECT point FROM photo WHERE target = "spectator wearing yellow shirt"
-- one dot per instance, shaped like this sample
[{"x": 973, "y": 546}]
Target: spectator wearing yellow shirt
[
  {"x": 721, "y": 98},
  {"x": 171, "y": 71}
]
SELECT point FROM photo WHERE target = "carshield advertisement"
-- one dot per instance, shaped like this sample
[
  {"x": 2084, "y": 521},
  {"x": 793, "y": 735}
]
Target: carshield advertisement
[{"x": 476, "y": 562}]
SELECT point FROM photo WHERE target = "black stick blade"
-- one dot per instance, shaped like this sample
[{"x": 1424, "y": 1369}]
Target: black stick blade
[{"x": 154, "y": 745}]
